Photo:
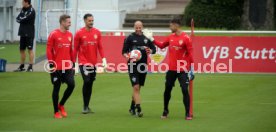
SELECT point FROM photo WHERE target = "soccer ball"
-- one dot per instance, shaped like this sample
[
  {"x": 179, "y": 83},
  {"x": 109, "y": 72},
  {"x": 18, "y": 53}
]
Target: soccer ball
[{"x": 135, "y": 55}]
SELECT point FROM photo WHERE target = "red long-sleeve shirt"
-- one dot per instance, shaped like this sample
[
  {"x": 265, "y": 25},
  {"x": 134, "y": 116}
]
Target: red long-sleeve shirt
[
  {"x": 86, "y": 45},
  {"x": 180, "y": 49},
  {"x": 59, "y": 49}
]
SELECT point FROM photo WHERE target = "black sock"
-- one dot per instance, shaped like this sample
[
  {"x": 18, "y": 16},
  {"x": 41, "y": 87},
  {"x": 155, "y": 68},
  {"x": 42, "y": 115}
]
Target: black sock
[
  {"x": 132, "y": 105},
  {"x": 138, "y": 108},
  {"x": 21, "y": 66},
  {"x": 30, "y": 65}
]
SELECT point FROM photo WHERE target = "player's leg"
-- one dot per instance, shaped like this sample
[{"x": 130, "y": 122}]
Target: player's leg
[
  {"x": 141, "y": 80},
  {"x": 55, "y": 94},
  {"x": 169, "y": 84},
  {"x": 132, "y": 106},
  {"x": 22, "y": 49},
  {"x": 88, "y": 76},
  {"x": 89, "y": 88},
  {"x": 134, "y": 79},
  {"x": 31, "y": 53},
  {"x": 184, "y": 83},
  {"x": 68, "y": 77},
  {"x": 137, "y": 99}
]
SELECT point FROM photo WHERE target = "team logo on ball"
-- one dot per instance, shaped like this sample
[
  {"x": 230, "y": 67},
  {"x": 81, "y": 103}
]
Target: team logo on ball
[{"x": 135, "y": 55}]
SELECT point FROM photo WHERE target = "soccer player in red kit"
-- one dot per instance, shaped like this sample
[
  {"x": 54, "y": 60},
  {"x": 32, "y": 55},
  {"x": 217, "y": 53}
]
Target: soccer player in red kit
[
  {"x": 180, "y": 55},
  {"x": 60, "y": 59},
  {"x": 87, "y": 43}
]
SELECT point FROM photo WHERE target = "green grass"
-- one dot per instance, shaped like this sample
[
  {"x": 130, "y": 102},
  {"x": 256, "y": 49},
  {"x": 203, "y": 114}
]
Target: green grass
[
  {"x": 10, "y": 52},
  {"x": 222, "y": 103}
]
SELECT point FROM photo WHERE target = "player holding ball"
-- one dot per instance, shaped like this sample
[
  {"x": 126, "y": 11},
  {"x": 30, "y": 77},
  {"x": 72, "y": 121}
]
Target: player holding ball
[{"x": 137, "y": 63}]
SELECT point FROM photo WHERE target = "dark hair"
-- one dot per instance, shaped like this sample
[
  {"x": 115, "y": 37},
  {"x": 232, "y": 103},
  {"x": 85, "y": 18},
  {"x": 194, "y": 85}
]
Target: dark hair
[
  {"x": 63, "y": 18},
  {"x": 87, "y": 15},
  {"x": 28, "y": 1},
  {"x": 176, "y": 21}
]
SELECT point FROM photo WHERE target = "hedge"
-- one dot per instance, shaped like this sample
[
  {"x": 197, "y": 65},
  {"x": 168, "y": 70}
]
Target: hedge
[{"x": 214, "y": 13}]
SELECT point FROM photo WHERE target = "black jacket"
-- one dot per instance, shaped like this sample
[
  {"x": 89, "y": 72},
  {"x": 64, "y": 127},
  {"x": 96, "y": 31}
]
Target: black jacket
[
  {"x": 26, "y": 18},
  {"x": 134, "y": 41}
]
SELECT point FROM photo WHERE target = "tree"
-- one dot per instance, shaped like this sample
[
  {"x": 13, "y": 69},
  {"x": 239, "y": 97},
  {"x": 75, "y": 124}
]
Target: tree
[{"x": 258, "y": 14}]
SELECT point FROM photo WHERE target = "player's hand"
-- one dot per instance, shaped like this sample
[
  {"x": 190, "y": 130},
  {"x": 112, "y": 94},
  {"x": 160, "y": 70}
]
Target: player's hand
[
  {"x": 52, "y": 67},
  {"x": 104, "y": 64},
  {"x": 148, "y": 34},
  {"x": 126, "y": 56},
  {"x": 132, "y": 60},
  {"x": 191, "y": 74},
  {"x": 73, "y": 65},
  {"x": 148, "y": 50}
]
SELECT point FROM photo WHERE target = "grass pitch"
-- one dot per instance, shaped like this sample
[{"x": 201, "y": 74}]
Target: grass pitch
[
  {"x": 10, "y": 52},
  {"x": 222, "y": 102}
]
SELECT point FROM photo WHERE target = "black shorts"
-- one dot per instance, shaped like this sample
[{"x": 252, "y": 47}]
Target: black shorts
[
  {"x": 137, "y": 73},
  {"x": 88, "y": 73},
  {"x": 181, "y": 76},
  {"x": 26, "y": 42},
  {"x": 137, "y": 78},
  {"x": 61, "y": 76}
]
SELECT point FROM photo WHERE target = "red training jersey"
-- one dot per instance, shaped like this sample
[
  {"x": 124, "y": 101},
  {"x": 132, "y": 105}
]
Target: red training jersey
[
  {"x": 59, "y": 49},
  {"x": 180, "y": 49},
  {"x": 86, "y": 45}
]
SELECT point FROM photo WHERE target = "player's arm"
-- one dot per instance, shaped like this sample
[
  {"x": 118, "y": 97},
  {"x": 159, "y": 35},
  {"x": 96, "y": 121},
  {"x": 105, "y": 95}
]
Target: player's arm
[
  {"x": 126, "y": 48},
  {"x": 25, "y": 18},
  {"x": 19, "y": 15},
  {"x": 162, "y": 45},
  {"x": 72, "y": 51},
  {"x": 189, "y": 48},
  {"x": 149, "y": 35},
  {"x": 101, "y": 51},
  {"x": 151, "y": 49},
  {"x": 76, "y": 46},
  {"x": 100, "y": 46},
  {"x": 189, "y": 55},
  {"x": 49, "y": 50}
]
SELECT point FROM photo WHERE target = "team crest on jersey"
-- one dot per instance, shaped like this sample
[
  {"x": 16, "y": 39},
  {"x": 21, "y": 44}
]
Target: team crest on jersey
[
  {"x": 181, "y": 42},
  {"x": 95, "y": 36},
  {"x": 59, "y": 38},
  {"x": 159, "y": 56},
  {"x": 70, "y": 39},
  {"x": 84, "y": 37},
  {"x": 146, "y": 41}
]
